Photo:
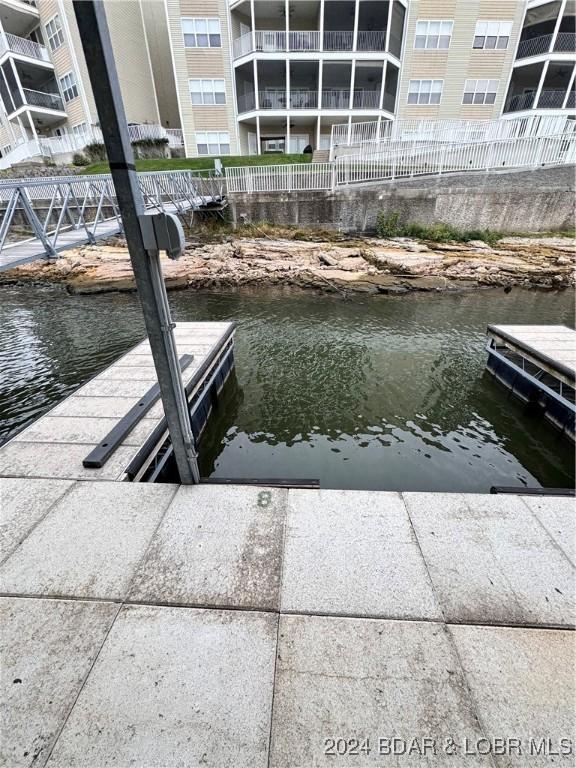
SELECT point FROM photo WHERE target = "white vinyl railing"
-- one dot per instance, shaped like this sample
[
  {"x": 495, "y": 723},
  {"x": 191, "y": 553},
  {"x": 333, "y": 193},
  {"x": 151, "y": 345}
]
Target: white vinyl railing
[
  {"x": 23, "y": 46},
  {"x": 418, "y": 160},
  {"x": 274, "y": 41},
  {"x": 369, "y": 136},
  {"x": 51, "y": 146}
]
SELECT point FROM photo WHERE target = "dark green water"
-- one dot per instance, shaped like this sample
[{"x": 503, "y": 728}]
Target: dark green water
[{"x": 380, "y": 393}]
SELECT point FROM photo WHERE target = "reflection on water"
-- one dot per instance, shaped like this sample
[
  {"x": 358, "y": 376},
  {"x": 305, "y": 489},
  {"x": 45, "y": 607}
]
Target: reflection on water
[{"x": 382, "y": 393}]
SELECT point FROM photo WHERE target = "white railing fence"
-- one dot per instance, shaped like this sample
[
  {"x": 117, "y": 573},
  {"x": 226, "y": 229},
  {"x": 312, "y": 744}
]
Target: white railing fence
[
  {"x": 274, "y": 41},
  {"x": 51, "y": 147},
  {"x": 374, "y": 135},
  {"x": 406, "y": 162}
]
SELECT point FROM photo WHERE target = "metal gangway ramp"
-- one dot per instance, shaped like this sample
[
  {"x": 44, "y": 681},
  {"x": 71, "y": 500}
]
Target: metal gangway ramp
[{"x": 40, "y": 217}]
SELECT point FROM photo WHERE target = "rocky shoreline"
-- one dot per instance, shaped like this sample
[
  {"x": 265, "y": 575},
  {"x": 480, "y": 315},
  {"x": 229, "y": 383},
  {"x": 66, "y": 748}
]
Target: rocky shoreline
[{"x": 366, "y": 265}]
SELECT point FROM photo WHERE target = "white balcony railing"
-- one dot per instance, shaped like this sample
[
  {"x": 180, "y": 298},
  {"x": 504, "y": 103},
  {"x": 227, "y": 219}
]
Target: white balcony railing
[
  {"x": 277, "y": 41},
  {"x": 270, "y": 41},
  {"x": 305, "y": 98},
  {"x": 338, "y": 41},
  {"x": 22, "y": 46},
  {"x": 336, "y": 98},
  {"x": 304, "y": 41}
]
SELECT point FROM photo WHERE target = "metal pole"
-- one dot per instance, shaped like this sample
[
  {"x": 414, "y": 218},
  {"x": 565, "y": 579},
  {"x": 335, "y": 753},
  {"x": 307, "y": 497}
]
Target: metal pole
[{"x": 97, "y": 47}]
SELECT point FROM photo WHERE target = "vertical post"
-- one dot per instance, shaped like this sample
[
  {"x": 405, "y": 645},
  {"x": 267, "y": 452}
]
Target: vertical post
[{"x": 95, "y": 38}]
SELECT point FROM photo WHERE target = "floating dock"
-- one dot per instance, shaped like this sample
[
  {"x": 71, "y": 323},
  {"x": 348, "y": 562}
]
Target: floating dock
[
  {"x": 158, "y": 625},
  {"x": 61, "y": 443},
  {"x": 538, "y": 365}
]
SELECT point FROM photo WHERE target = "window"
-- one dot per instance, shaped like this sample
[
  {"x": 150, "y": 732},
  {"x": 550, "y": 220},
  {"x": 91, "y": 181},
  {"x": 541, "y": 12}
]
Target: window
[
  {"x": 207, "y": 92},
  {"x": 492, "y": 35},
  {"x": 68, "y": 86},
  {"x": 425, "y": 91},
  {"x": 80, "y": 130},
  {"x": 5, "y": 150},
  {"x": 201, "y": 33},
  {"x": 213, "y": 143},
  {"x": 433, "y": 34},
  {"x": 54, "y": 33},
  {"x": 480, "y": 91}
]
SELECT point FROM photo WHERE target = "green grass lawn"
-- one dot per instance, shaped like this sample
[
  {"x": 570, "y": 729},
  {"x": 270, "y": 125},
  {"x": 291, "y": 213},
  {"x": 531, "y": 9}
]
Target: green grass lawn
[{"x": 204, "y": 163}]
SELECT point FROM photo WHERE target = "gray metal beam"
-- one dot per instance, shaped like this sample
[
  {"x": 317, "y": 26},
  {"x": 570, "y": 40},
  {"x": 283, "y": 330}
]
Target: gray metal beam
[{"x": 99, "y": 56}]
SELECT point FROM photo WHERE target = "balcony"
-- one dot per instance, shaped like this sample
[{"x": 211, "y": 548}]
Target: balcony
[
  {"x": 536, "y": 46},
  {"x": 549, "y": 99},
  {"x": 44, "y": 100},
  {"x": 23, "y": 47},
  {"x": 565, "y": 43},
  {"x": 332, "y": 98},
  {"x": 278, "y": 41}
]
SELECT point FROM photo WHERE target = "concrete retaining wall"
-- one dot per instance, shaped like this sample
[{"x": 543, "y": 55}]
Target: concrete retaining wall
[{"x": 512, "y": 201}]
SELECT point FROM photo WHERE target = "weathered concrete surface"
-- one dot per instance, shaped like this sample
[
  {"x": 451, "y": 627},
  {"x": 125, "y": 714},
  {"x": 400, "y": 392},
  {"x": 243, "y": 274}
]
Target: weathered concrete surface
[
  {"x": 352, "y": 679},
  {"x": 47, "y": 649},
  {"x": 90, "y": 545},
  {"x": 559, "y": 520},
  {"x": 23, "y": 503},
  {"x": 538, "y": 200},
  {"x": 216, "y": 546},
  {"x": 180, "y": 687},
  {"x": 354, "y": 554},
  {"x": 538, "y": 706},
  {"x": 176, "y": 687},
  {"x": 491, "y": 561}
]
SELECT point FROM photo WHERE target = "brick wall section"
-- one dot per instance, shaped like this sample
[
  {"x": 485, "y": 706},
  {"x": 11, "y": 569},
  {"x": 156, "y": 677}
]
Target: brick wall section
[{"x": 523, "y": 201}]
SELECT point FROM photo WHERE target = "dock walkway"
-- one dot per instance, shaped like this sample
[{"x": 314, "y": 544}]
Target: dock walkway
[
  {"x": 65, "y": 212},
  {"x": 55, "y": 445},
  {"x": 552, "y": 347},
  {"x": 163, "y": 626}
]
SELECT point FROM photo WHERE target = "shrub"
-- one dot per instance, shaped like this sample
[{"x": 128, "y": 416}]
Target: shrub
[
  {"x": 150, "y": 142},
  {"x": 80, "y": 159},
  {"x": 96, "y": 151},
  {"x": 388, "y": 225}
]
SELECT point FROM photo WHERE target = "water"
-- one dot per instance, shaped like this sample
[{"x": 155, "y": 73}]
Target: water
[{"x": 379, "y": 393}]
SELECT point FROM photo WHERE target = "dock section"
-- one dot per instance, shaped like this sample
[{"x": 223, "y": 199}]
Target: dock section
[
  {"x": 57, "y": 444},
  {"x": 538, "y": 364}
]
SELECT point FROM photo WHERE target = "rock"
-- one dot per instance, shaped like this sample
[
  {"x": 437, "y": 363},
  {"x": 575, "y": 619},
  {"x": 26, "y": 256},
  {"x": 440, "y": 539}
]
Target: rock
[
  {"x": 329, "y": 261},
  {"x": 479, "y": 244},
  {"x": 563, "y": 260}
]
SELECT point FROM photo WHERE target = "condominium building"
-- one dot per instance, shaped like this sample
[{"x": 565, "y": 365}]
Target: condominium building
[
  {"x": 45, "y": 90},
  {"x": 542, "y": 77},
  {"x": 261, "y": 76}
]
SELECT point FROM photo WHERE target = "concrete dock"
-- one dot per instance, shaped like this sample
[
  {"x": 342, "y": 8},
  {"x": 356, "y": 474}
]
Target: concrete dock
[{"x": 162, "y": 626}]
